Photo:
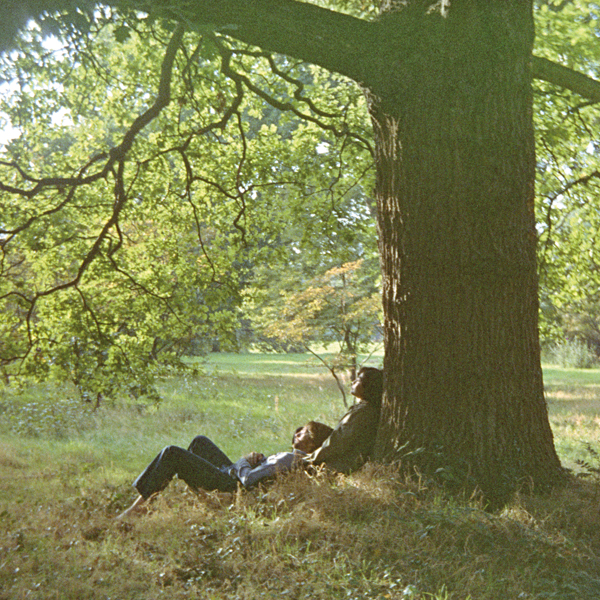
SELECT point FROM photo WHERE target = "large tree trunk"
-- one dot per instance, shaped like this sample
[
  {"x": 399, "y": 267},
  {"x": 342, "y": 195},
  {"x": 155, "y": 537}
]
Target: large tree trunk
[{"x": 455, "y": 188}]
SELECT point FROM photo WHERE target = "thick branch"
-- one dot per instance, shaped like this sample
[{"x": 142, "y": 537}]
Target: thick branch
[
  {"x": 335, "y": 41},
  {"x": 332, "y": 40},
  {"x": 549, "y": 71}
]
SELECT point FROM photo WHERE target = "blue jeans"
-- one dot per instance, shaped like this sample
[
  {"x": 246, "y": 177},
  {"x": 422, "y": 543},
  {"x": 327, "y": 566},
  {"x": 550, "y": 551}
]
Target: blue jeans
[{"x": 200, "y": 466}]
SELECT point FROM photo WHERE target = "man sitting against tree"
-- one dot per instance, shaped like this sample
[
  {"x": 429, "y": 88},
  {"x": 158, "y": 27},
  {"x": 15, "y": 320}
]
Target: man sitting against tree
[{"x": 351, "y": 443}]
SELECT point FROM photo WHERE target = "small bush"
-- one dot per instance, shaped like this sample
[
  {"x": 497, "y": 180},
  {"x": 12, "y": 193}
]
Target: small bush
[{"x": 572, "y": 354}]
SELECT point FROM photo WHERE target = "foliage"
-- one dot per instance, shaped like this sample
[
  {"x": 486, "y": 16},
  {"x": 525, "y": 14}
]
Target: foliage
[
  {"x": 99, "y": 283},
  {"x": 340, "y": 306},
  {"x": 107, "y": 284},
  {"x": 568, "y": 176}
]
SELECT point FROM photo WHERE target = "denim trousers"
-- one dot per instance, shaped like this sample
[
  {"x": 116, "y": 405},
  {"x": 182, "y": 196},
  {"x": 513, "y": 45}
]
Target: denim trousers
[{"x": 202, "y": 466}]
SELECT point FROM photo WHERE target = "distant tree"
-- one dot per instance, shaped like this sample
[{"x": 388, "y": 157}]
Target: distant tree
[{"x": 340, "y": 307}]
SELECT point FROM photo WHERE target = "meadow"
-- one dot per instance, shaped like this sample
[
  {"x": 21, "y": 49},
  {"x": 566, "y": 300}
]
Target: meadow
[{"x": 66, "y": 471}]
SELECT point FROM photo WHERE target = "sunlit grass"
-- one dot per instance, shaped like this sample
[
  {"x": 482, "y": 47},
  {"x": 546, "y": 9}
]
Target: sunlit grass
[
  {"x": 573, "y": 397},
  {"x": 66, "y": 471}
]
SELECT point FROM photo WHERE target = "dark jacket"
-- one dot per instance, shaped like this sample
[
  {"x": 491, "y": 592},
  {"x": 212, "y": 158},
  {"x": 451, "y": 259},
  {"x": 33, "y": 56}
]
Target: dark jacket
[{"x": 351, "y": 443}]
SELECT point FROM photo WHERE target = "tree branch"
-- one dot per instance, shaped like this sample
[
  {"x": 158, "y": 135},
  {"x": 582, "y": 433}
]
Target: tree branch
[
  {"x": 581, "y": 84},
  {"x": 162, "y": 99},
  {"x": 333, "y": 40},
  {"x": 117, "y": 153},
  {"x": 331, "y": 370}
]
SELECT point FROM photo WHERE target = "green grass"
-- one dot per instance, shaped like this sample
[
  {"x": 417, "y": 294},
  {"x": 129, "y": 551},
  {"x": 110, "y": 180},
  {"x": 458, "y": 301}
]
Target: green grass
[
  {"x": 554, "y": 375},
  {"x": 573, "y": 397},
  {"x": 66, "y": 471}
]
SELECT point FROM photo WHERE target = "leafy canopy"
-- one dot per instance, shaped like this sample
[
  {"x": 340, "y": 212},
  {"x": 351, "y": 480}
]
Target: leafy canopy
[
  {"x": 164, "y": 188},
  {"x": 130, "y": 223}
]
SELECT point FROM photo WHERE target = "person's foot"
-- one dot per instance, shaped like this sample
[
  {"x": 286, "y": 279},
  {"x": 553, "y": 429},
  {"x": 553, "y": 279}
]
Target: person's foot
[{"x": 137, "y": 507}]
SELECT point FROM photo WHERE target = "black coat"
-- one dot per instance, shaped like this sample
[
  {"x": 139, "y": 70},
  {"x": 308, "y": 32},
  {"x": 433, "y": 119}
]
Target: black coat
[{"x": 351, "y": 443}]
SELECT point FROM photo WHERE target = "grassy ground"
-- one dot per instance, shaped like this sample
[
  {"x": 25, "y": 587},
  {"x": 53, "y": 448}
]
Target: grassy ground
[
  {"x": 573, "y": 397},
  {"x": 65, "y": 473}
]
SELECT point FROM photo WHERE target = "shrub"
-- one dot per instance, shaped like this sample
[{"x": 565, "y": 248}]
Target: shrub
[{"x": 572, "y": 354}]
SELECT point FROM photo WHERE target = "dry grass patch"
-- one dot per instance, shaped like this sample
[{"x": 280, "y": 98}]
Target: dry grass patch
[{"x": 374, "y": 535}]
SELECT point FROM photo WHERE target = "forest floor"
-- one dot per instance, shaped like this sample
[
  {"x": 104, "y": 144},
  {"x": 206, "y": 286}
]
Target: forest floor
[{"x": 66, "y": 471}]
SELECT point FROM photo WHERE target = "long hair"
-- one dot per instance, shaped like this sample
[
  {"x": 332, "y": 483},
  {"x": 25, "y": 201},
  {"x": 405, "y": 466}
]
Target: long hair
[
  {"x": 372, "y": 384},
  {"x": 318, "y": 432}
]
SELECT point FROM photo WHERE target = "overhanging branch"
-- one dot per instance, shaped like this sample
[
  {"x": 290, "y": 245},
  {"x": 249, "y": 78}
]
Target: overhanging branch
[
  {"x": 333, "y": 40},
  {"x": 581, "y": 84},
  {"x": 330, "y": 39}
]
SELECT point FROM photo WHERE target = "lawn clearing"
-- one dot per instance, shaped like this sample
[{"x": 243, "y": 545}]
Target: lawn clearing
[
  {"x": 66, "y": 472},
  {"x": 573, "y": 397}
]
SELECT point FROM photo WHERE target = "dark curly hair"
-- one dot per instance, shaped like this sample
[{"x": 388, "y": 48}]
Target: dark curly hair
[
  {"x": 318, "y": 432},
  {"x": 372, "y": 384}
]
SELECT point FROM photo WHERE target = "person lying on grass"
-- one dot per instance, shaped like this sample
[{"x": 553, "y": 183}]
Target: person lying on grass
[
  {"x": 203, "y": 466},
  {"x": 351, "y": 443}
]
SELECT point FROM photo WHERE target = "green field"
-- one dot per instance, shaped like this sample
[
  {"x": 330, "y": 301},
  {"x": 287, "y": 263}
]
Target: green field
[{"x": 66, "y": 471}]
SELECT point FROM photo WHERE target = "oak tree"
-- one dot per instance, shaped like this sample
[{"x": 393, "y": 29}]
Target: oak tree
[{"x": 449, "y": 91}]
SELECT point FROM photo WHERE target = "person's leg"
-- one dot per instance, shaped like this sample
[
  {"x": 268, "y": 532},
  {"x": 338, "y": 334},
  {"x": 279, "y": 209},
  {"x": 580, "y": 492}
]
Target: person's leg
[
  {"x": 197, "y": 472},
  {"x": 204, "y": 448}
]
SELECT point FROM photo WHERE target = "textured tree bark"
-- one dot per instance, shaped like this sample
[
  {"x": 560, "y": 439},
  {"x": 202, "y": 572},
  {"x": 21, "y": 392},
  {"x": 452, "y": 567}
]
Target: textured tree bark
[{"x": 455, "y": 188}]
